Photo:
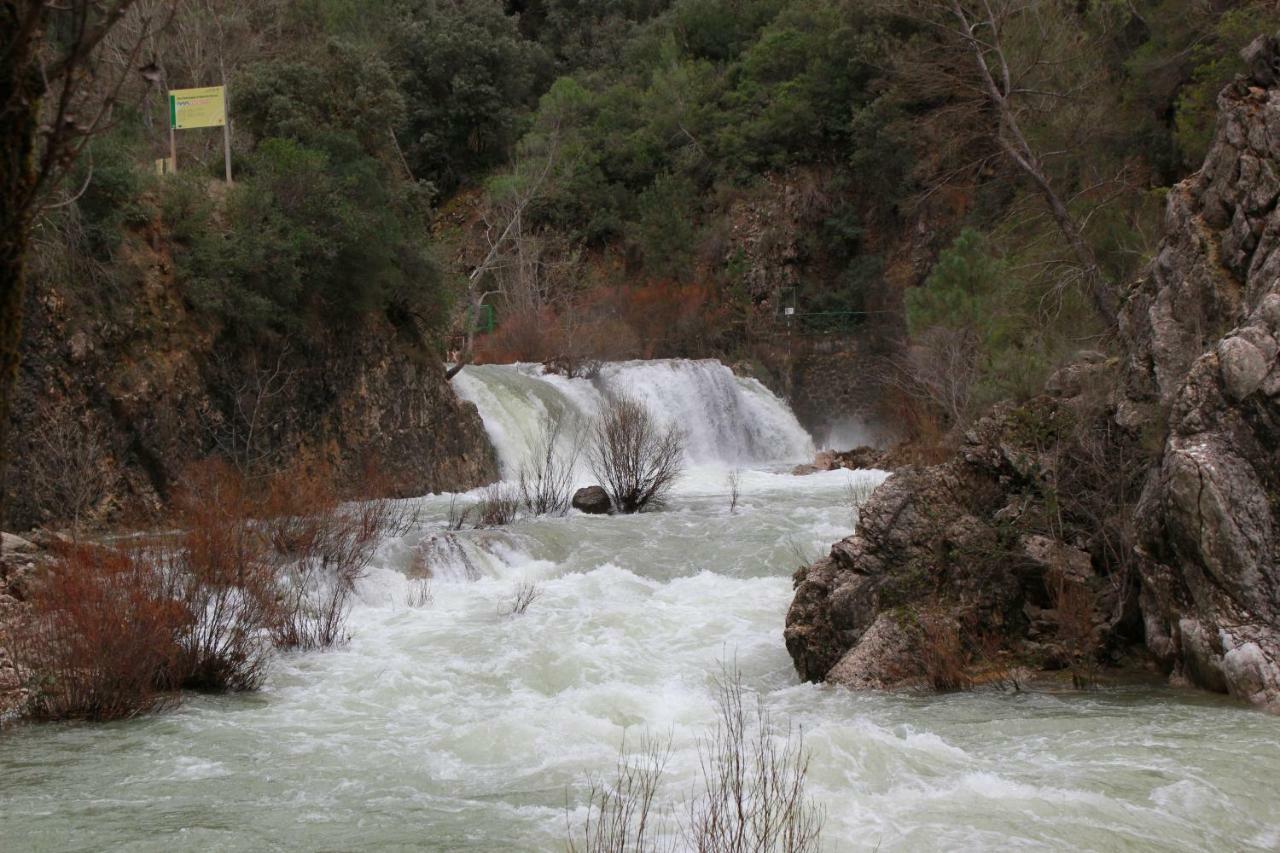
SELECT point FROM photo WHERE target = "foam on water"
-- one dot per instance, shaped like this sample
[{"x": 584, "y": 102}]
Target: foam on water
[{"x": 457, "y": 727}]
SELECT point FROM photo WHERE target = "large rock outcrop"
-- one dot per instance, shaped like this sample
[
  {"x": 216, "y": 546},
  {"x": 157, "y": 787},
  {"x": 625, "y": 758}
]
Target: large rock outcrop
[
  {"x": 1210, "y": 514},
  {"x": 1136, "y": 502}
]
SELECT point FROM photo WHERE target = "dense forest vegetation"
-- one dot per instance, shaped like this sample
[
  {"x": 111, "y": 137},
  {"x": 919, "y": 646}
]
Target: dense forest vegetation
[{"x": 582, "y": 167}]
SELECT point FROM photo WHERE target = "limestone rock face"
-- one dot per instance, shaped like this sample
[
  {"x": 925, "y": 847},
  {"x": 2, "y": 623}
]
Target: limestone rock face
[
  {"x": 964, "y": 544},
  {"x": 1091, "y": 519},
  {"x": 1209, "y": 511}
]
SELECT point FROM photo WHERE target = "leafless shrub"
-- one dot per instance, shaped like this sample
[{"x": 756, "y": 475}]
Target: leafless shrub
[
  {"x": 751, "y": 798},
  {"x": 419, "y": 595},
  {"x": 524, "y": 595},
  {"x": 499, "y": 506},
  {"x": 942, "y": 654},
  {"x": 546, "y": 484},
  {"x": 801, "y": 554},
  {"x": 620, "y": 811},
  {"x": 989, "y": 652},
  {"x": 635, "y": 459},
  {"x": 320, "y": 547},
  {"x": 753, "y": 781},
  {"x": 733, "y": 482},
  {"x": 459, "y": 513},
  {"x": 68, "y": 467},
  {"x": 856, "y": 494},
  {"x": 1076, "y": 629}
]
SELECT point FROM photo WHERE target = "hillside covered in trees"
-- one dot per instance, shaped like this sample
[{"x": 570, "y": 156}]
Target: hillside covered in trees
[
  {"x": 582, "y": 181},
  {"x": 533, "y": 353}
]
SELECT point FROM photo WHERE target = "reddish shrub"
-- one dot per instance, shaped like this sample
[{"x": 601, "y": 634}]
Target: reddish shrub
[
  {"x": 101, "y": 639},
  {"x": 113, "y": 632},
  {"x": 523, "y": 336},
  {"x": 225, "y": 576},
  {"x": 942, "y": 654},
  {"x": 320, "y": 547}
]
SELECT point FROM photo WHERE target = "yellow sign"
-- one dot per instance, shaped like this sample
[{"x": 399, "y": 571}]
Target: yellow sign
[{"x": 197, "y": 107}]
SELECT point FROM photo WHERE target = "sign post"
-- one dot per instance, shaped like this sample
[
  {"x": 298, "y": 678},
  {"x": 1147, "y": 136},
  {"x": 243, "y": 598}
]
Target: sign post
[
  {"x": 226, "y": 146},
  {"x": 205, "y": 107}
]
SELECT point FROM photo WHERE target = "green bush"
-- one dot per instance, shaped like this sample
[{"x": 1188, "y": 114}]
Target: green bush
[
  {"x": 469, "y": 79},
  {"x": 314, "y": 233},
  {"x": 1217, "y": 61},
  {"x": 112, "y": 187},
  {"x": 664, "y": 233},
  {"x": 346, "y": 88}
]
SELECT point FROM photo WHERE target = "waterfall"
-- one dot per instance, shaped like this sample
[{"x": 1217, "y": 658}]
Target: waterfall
[{"x": 727, "y": 419}]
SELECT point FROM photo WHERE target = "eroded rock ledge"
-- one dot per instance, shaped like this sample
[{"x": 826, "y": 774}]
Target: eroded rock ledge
[{"x": 1135, "y": 504}]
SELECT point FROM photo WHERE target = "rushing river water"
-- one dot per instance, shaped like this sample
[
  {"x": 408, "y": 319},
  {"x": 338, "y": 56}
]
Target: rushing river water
[{"x": 452, "y": 726}]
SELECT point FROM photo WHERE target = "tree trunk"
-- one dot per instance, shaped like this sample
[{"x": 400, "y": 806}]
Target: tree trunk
[
  {"x": 998, "y": 83},
  {"x": 20, "y": 91}
]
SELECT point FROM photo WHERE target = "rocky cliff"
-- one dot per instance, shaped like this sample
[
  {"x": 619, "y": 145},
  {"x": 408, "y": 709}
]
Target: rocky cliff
[
  {"x": 1135, "y": 504},
  {"x": 120, "y": 391}
]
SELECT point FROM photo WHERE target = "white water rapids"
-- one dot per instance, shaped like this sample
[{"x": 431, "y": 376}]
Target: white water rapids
[{"x": 455, "y": 727}]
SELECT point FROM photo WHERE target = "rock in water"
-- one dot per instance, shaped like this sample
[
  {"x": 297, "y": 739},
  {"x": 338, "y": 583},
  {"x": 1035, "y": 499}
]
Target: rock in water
[{"x": 593, "y": 500}]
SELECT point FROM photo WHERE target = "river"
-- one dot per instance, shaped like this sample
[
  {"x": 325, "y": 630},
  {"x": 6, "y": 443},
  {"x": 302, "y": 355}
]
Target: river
[{"x": 453, "y": 725}]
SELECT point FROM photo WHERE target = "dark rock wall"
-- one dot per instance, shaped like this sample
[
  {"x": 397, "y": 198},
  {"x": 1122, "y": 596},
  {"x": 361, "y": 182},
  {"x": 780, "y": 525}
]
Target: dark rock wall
[{"x": 119, "y": 392}]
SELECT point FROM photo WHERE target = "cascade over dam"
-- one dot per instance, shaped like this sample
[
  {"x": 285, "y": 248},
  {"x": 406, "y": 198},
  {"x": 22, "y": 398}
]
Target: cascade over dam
[{"x": 453, "y": 724}]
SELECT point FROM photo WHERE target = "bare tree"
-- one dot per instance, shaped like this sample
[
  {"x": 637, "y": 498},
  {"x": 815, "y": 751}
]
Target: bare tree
[
  {"x": 753, "y": 782},
  {"x": 240, "y": 434},
  {"x": 55, "y": 94},
  {"x": 512, "y": 261},
  {"x": 69, "y": 469},
  {"x": 546, "y": 483},
  {"x": 939, "y": 369},
  {"x": 999, "y": 67},
  {"x": 636, "y": 460}
]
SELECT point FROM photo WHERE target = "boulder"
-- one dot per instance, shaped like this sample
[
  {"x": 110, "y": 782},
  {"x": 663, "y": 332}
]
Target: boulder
[
  {"x": 11, "y": 544},
  {"x": 593, "y": 500}
]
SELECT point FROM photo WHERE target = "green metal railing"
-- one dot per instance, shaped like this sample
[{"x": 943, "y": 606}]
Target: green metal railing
[{"x": 824, "y": 322}]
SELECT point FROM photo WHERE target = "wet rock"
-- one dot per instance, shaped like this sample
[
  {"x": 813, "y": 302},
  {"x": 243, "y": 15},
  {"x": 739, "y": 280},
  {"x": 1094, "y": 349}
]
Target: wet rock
[
  {"x": 859, "y": 458},
  {"x": 593, "y": 500}
]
